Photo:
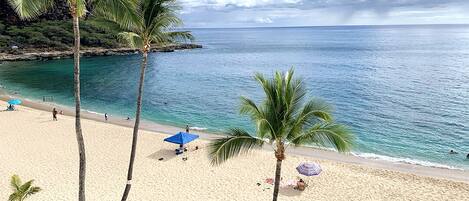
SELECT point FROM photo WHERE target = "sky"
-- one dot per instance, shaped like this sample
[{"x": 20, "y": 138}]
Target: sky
[{"x": 284, "y": 13}]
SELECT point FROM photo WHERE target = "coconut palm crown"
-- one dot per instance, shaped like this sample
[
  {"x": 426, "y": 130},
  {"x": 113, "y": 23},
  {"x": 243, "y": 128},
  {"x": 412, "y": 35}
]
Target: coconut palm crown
[
  {"x": 144, "y": 22},
  {"x": 282, "y": 119}
]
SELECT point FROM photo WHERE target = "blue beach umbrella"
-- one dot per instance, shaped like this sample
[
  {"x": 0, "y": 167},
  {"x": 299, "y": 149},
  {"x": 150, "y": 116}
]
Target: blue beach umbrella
[
  {"x": 14, "y": 102},
  {"x": 181, "y": 138}
]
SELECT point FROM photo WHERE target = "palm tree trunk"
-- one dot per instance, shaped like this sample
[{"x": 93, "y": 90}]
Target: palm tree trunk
[
  {"x": 136, "y": 126},
  {"x": 278, "y": 171},
  {"x": 76, "y": 79}
]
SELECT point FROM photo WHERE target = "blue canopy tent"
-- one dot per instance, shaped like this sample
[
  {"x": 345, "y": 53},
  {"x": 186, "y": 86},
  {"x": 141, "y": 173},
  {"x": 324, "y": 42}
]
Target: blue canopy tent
[
  {"x": 13, "y": 102},
  {"x": 181, "y": 138}
]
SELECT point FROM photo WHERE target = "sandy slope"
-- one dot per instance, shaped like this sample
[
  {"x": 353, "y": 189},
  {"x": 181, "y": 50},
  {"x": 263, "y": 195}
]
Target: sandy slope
[{"x": 33, "y": 146}]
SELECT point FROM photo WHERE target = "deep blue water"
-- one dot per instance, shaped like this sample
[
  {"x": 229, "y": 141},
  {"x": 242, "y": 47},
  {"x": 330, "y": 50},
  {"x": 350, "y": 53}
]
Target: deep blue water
[{"x": 403, "y": 90}]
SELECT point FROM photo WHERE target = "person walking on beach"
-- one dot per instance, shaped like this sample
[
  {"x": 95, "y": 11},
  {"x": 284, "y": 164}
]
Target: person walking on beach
[
  {"x": 105, "y": 116},
  {"x": 54, "y": 114},
  {"x": 187, "y": 128}
]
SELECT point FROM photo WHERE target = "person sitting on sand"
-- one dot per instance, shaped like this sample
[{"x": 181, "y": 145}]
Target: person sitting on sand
[
  {"x": 452, "y": 152},
  {"x": 300, "y": 185},
  {"x": 54, "y": 114},
  {"x": 128, "y": 118}
]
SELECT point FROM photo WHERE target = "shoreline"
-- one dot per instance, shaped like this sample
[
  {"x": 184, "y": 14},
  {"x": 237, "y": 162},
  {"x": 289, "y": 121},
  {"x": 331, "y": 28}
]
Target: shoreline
[
  {"x": 41, "y": 54},
  {"x": 316, "y": 153},
  {"x": 34, "y": 146}
]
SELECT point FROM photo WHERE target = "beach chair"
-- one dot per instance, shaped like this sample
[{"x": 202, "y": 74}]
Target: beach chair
[{"x": 179, "y": 151}]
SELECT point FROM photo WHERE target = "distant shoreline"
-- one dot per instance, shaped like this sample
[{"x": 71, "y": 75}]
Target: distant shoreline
[
  {"x": 42, "y": 54},
  {"x": 428, "y": 171}
]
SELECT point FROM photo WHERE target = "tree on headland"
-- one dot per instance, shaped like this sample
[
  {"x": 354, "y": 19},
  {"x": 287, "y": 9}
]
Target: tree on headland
[
  {"x": 143, "y": 23},
  {"x": 282, "y": 119},
  {"x": 28, "y": 9},
  {"x": 21, "y": 191}
]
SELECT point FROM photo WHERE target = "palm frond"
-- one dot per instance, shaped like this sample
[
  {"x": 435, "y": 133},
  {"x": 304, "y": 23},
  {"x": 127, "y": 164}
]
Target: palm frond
[
  {"x": 15, "y": 182},
  {"x": 181, "y": 36},
  {"x": 122, "y": 12},
  {"x": 249, "y": 107},
  {"x": 238, "y": 142},
  {"x": 25, "y": 187},
  {"x": 28, "y": 9},
  {"x": 317, "y": 108},
  {"x": 131, "y": 39},
  {"x": 294, "y": 94},
  {"x": 105, "y": 24},
  {"x": 33, "y": 190},
  {"x": 264, "y": 128},
  {"x": 14, "y": 197},
  {"x": 327, "y": 134},
  {"x": 313, "y": 112}
]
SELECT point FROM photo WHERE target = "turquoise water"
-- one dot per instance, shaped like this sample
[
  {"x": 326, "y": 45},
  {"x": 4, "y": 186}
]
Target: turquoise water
[{"x": 404, "y": 90}]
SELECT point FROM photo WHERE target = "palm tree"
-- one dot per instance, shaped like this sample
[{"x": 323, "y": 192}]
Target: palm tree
[
  {"x": 28, "y": 9},
  {"x": 282, "y": 119},
  {"x": 144, "y": 22},
  {"x": 21, "y": 191}
]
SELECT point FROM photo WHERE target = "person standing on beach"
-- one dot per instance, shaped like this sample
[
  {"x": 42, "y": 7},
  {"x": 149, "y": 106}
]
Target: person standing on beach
[
  {"x": 54, "y": 114},
  {"x": 105, "y": 116},
  {"x": 187, "y": 128}
]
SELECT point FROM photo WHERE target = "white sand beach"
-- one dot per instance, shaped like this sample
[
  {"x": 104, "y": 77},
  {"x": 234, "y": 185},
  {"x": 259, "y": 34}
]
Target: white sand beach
[{"x": 35, "y": 147}]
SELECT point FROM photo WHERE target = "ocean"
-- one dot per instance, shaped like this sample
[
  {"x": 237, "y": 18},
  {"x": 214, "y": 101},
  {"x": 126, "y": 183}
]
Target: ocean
[{"x": 403, "y": 90}]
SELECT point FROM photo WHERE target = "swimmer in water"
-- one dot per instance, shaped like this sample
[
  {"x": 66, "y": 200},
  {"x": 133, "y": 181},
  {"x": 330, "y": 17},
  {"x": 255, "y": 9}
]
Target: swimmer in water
[{"x": 452, "y": 152}]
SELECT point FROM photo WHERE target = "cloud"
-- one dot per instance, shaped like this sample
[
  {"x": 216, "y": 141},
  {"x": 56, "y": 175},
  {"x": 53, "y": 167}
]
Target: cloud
[
  {"x": 376, "y": 5},
  {"x": 216, "y": 4},
  {"x": 264, "y": 20},
  {"x": 234, "y": 13}
]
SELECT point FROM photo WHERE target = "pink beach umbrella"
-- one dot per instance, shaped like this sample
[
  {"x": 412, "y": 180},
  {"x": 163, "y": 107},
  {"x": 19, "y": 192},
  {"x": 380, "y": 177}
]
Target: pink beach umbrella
[{"x": 309, "y": 169}]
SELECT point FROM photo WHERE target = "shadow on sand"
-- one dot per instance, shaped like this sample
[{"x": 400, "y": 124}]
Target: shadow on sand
[
  {"x": 290, "y": 192},
  {"x": 166, "y": 154}
]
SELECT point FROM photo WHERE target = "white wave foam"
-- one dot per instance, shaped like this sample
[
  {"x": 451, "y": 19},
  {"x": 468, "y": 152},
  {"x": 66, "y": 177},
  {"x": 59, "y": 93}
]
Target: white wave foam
[
  {"x": 404, "y": 160},
  {"x": 197, "y": 128},
  {"x": 93, "y": 112}
]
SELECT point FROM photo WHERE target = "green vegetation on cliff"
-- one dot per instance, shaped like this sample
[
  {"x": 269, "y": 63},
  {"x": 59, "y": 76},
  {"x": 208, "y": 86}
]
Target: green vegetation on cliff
[{"x": 54, "y": 35}]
